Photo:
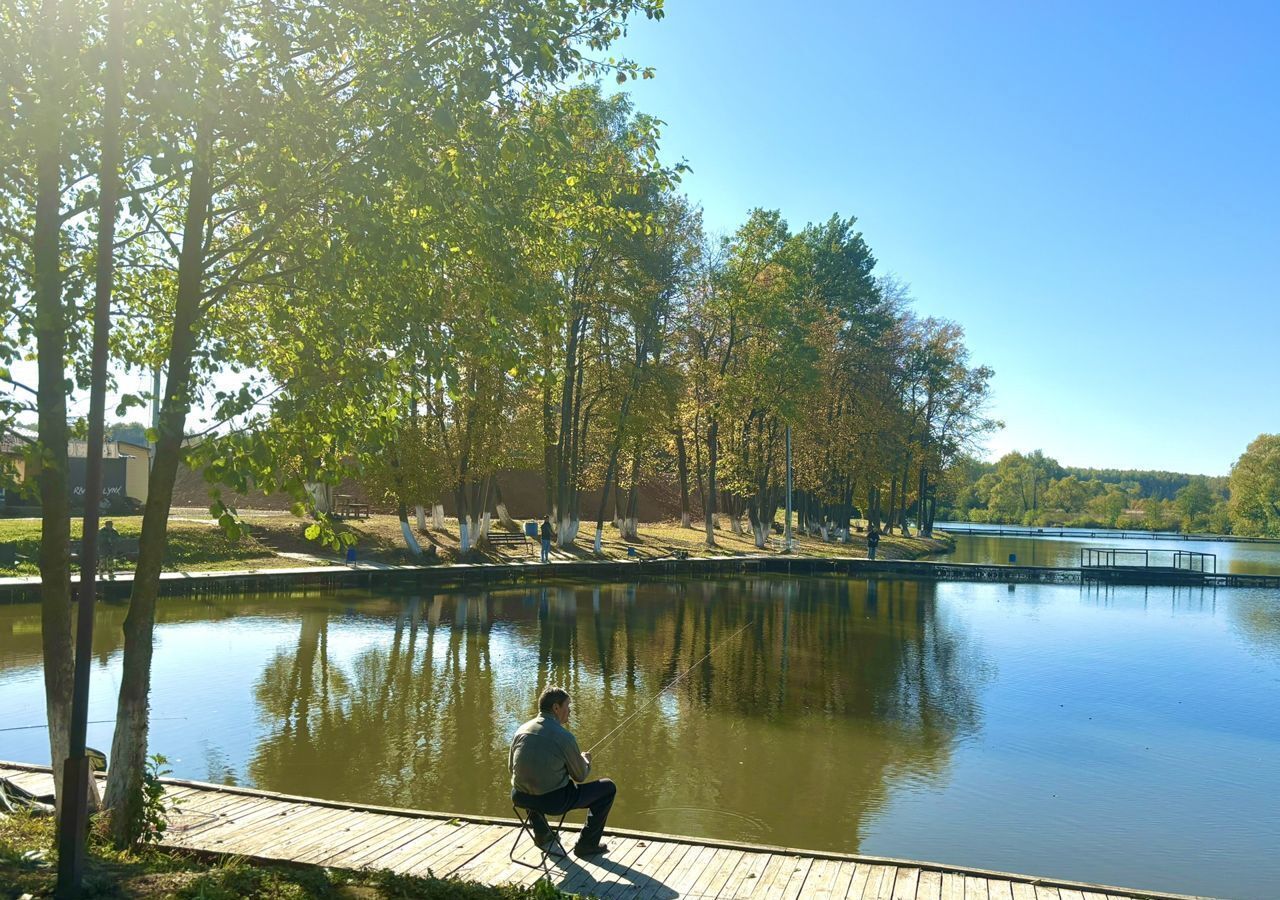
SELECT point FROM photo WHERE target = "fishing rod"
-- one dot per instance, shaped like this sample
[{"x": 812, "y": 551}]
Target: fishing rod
[{"x": 608, "y": 737}]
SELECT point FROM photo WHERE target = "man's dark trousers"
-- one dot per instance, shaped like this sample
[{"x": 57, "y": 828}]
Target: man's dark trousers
[{"x": 594, "y": 796}]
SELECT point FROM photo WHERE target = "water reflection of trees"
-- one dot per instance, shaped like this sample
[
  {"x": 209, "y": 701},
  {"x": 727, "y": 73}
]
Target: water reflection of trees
[{"x": 793, "y": 732}]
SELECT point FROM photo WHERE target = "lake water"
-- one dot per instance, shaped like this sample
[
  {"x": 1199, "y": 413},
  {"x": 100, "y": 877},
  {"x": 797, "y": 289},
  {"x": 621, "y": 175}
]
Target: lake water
[
  {"x": 1044, "y": 550},
  {"x": 1120, "y": 735}
]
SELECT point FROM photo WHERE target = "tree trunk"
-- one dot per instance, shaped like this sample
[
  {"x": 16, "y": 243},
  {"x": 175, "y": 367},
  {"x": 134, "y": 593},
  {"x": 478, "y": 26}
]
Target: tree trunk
[
  {"x": 104, "y": 276},
  {"x": 437, "y": 516},
  {"x": 129, "y": 744},
  {"x": 630, "y": 525},
  {"x": 713, "y": 454},
  {"x": 420, "y": 513},
  {"x": 51, "y": 394},
  {"x": 682, "y": 473},
  {"x": 504, "y": 516}
]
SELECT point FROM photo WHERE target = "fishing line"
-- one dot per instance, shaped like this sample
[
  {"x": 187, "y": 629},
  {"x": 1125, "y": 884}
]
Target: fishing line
[
  {"x": 604, "y": 740},
  {"x": 92, "y": 722}
]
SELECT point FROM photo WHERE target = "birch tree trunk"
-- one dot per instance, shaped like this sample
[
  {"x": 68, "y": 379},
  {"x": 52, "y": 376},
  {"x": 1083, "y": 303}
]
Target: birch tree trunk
[{"x": 51, "y": 398}]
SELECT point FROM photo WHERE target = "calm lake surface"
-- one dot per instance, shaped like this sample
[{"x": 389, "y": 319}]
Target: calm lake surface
[
  {"x": 1121, "y": 735},
  {"x": 1044, "y": 550}
]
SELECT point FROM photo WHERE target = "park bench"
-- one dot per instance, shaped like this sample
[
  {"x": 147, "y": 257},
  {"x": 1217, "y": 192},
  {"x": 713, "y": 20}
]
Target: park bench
[
  {"x": 110, "y": 547},
  {"x": 347, "y": 507},
  {"x": 9, "y": 555},
  {"x": 507, "y": 539}
]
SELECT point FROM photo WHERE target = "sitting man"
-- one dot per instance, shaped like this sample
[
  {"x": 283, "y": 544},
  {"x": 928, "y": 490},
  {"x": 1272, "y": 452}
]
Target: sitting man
[{"x": 547, "y": 775}]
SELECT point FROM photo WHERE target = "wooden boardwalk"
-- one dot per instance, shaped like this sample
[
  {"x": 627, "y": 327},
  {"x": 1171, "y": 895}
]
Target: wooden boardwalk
[{"x": 265, "y": 826}]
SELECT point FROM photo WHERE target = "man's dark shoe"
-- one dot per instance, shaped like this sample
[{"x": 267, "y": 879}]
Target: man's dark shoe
[{"x": 597, "y": 850}]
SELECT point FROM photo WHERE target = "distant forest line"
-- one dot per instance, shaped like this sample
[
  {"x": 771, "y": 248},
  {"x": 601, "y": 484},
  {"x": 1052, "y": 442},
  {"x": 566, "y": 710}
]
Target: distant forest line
[{"x": 1034, "y": 489}]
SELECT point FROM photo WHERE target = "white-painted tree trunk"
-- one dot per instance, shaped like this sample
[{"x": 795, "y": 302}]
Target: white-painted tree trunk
[
  {"x": 409, "y": 540},
  {"x": 437, "y": 517},
  {"x": 822, "y": 529},
  {"x": 464, "y": 535},
  {"x": 567, "y": 532},
  {"x": 485, "y": 522},
  {"x": 761, "y": 531},
  {"x": 321, "y": 496},
  {"x": 505, "y": 517},
  {"x": 422, "y": 517},
  {"x": 630, "y": 528},
  {"x": 735, "y": 525},
  {"x": 598, "y": 545},
  {"x": 686, "y": 521}
]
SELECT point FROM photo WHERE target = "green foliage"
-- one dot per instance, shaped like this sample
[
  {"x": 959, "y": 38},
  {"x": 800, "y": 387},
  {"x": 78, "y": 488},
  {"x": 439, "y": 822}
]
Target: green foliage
[
  {"x": 1032, "y": 489},
  {"x": 155, "y": 808},
  {"x": 1255, "y": 488}
]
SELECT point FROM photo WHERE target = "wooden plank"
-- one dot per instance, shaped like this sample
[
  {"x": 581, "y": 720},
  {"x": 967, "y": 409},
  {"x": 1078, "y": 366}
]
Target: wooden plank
[
  {"x": 858, "y": 883},
  {"x": 640, "y": 865},
  {"x": 799, "y": 875},
  {"x": 1023, "y": 890},
  {"x": 717, "y": 875},
  {"x": 880, "y": 883},
  {"x": 623, "y": 852},
  {"x": 904, "y": 886},
  {"x": 451, "y": 851},
  {"x": 1070, "y": 894},
  {"x": 695, "y": 861},
  {"x": 1046, "y": 893},
  {"x": 952, "y": 886},
  {"x": 301, "y": 829},
  {"x": 246, "y": 819},
  {"x": 365, "y": 854},
  {"x": 744, "y": 878},
  {"x": 416, "y": 837},
  {"x": 377, "y": 830},
  {"x": 657, "y": 884},
  {"x": 929, "y": 887},
  {"x": 320, "y": 841},
  {"x": 821, "y": 879},
  {"x": 762, "y": 884},
  {"x": 975, "y": 888},
  {"x": 999, "y": 889}
]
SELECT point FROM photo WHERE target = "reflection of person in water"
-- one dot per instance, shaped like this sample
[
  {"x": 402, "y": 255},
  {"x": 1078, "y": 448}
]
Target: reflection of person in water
[{"x": 548, "y": 772}]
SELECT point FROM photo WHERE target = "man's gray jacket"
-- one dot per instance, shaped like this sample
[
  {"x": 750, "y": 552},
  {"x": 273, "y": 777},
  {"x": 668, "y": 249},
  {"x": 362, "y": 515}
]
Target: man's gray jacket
[{"x": 544, "y": 756}]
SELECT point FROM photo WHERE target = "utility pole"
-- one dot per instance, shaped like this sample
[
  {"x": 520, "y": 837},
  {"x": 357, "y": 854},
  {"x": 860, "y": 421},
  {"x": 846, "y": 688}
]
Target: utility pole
[{"x": 787, "y": 538}]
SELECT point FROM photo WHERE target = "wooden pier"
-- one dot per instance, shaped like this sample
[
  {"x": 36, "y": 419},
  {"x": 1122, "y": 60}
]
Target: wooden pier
[
  {"x": 258, "y": 825},
  {"x": 1100, "y": 533}
]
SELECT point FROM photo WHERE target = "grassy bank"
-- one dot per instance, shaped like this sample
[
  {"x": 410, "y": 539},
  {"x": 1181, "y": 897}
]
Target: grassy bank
[
  {"x": 28, "y": 867},
  {"x": 275, "y": 540}
]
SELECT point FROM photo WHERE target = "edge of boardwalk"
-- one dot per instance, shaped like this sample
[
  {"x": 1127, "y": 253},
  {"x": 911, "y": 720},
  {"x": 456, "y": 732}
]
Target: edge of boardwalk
[{"x": 1057, "y": 883}]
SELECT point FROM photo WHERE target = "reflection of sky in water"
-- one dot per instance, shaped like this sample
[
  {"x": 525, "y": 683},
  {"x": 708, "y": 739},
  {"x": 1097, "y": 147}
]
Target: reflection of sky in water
[{"x": 1113, "y": 734}]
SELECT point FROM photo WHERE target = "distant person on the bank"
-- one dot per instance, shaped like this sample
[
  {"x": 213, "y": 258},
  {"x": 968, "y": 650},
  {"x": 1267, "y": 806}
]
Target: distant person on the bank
[
  {"x": 873, "y": 541},
  {"x": 546, "y": 539},
  {"x": 548, "y": 772}
]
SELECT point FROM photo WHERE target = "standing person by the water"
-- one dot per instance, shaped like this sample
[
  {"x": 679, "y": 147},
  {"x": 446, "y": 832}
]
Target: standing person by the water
[
  {"x": 873, "y": 541},
  {"x": 547, "y": 775},
  {"x": 546, "y": 538}
]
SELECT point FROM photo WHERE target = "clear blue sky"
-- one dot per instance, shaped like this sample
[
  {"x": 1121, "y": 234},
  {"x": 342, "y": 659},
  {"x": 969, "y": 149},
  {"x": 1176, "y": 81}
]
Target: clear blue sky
[{"x": 1091, "y": 189}]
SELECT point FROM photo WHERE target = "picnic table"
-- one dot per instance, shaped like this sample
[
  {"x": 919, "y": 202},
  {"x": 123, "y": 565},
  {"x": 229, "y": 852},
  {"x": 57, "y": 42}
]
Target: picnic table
[{"x": 347, "y": 507}]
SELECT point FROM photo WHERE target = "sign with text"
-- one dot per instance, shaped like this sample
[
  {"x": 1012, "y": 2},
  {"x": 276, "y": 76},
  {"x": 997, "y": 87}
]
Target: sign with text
[{"x": 113, "y": 474}]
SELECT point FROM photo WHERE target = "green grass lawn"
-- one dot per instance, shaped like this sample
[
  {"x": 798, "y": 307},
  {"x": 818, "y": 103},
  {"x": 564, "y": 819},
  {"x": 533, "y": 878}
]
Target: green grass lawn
[{"x": 196, "y": 544}]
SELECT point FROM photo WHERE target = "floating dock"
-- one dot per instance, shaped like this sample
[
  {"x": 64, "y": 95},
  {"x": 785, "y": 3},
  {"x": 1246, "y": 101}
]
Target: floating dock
[{"x": 264, "y": 826}]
